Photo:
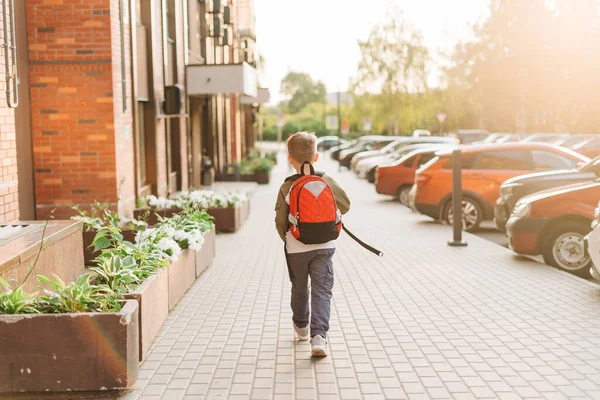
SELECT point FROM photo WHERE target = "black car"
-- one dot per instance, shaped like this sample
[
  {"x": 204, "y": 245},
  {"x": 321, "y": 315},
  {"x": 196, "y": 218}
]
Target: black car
[
  {"x": 328, "y": 142},
  {"x": 515, "y": 188}
]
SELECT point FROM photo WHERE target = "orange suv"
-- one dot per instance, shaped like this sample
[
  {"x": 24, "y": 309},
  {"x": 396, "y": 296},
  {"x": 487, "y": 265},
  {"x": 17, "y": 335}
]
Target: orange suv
[{"x": 485, "y": 169}]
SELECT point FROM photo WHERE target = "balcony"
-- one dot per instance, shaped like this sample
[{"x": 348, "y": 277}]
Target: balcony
[
  {"x": 263, "y": 96},
  {"x": 206, "y": 80}
]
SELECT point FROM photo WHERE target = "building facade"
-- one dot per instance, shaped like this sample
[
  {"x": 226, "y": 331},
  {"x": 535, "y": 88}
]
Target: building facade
[{"x": 109, "y": 103}]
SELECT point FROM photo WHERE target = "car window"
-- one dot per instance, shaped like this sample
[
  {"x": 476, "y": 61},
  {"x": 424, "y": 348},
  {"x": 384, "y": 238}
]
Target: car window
[
  {"x": 503, "y": 160},
  {"x": 409, "y": 162},
  {"x": 545, "y": 160},
  {"x": 467, "y": 161},
  {"x": 425, "y": 158}
]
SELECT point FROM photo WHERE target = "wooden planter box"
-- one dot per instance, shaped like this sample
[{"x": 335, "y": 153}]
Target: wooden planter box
[
  {"x": 138, "y": 213},
  {"x": 182, "y": 274},
  {"x": 226, "y": 219},
  {"x": 68, "y": 352},
  {"x": 152, "y": 297},
  {"x": 61, "y": 254},
  {"x": 206, "y": 255},
  {"x": 88, "y": 239},
  {"x": 262, "y": 179}
]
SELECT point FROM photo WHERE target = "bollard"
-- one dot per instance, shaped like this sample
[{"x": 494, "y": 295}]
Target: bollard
[{"x": 457, "y": 223}]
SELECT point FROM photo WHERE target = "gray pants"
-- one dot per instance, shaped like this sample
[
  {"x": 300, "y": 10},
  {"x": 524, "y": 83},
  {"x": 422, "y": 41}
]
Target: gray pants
[{"x": 317, "y": 264}]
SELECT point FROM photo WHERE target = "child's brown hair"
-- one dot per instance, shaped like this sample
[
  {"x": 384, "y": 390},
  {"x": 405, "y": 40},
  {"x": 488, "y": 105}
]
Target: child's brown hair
[{"x": 302, "y": 147}]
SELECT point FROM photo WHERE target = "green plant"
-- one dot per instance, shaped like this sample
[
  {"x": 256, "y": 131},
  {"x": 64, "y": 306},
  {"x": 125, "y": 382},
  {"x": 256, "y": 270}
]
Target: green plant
[
  {"x": 121, "y": 274},
  {"x": 263, "y": 166},
  {"x": 78, "y": 296},
  {"x": 16, "y": 301},
  {"x": 99, "y": 215}
]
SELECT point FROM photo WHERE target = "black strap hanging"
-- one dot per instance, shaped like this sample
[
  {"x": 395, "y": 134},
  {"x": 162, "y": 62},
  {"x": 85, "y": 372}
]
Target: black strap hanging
[{"x": 363, "y": 244}]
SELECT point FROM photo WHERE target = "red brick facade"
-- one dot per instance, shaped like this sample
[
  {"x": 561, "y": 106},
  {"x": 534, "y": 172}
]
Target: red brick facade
[
  {"x": 82, "y": 61},
  {"x": 73, "y": 105}
]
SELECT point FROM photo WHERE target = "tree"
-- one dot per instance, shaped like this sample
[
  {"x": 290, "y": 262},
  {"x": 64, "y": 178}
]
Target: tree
[
  {"x": 302, "y": 91},
  {"x": 532, "y": 67},
  {"x": 394, "y": 63}
]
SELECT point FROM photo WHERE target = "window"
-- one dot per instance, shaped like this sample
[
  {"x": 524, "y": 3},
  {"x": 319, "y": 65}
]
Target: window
[
  {"x": 503, "y": 160},
  {"x": 409, "y": 162},
  {"x": 425, "y": 158},
  {"x": 545, "y": 160},
  {"x": 467, "y": 161}
]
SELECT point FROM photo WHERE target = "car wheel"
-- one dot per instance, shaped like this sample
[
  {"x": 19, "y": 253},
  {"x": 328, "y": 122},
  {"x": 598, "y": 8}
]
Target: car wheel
[
  {"x": 472, "y": 214},
  {"x": 564, "y": 249},
  {"x": 402, "y": 195}
]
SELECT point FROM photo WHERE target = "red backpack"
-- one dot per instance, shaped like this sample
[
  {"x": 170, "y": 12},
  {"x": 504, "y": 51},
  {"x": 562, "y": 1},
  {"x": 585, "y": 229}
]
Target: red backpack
[{"x": 314, "y": 216}]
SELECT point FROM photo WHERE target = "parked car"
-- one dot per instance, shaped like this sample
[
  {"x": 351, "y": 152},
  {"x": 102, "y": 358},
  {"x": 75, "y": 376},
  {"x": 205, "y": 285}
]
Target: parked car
[
  {"x": 592, "y": 245},
  {"x": 421, "y": 133},
  {"x": 376, "y": 143},
  {"x": 325, "y": 143},
  {"x": 514, "y": 189},
  {"x": 554, "y": 223},
  {"x": 500, "y": 138},
  {"x": 397, "y": 178},
  {"x": 470, "y": 136},
  {"x": 368, "y": 168},
  {"x": 485, "y": 168},
  {"x": 394, "y": 147},
  {"x": 336, "y": 150},
  {"x": 590, "y": 147},
  {"x": 551, "y": 138},
  {"x": 572, "y": 140}
]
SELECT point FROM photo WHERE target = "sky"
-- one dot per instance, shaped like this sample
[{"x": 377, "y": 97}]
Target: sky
[{"x": 321, "y": 37}]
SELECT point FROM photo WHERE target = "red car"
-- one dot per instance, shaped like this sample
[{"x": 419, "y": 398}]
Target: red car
[
  {"x": 554, "y": 223},
  {"x": 396, "y": 179},
  {"x": 485, "y": 169}
]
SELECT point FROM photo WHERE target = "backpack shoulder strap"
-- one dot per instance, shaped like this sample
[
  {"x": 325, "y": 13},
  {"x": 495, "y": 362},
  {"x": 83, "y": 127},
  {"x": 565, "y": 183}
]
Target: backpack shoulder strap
[
  {"x": 295, "y": 177},
  {"x": 292, "y": 178}
]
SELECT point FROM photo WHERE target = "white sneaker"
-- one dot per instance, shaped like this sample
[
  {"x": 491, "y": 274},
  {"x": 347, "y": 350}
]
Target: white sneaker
[
  {"x": 319, "y": 346},
  {"x": 302, "y": 333}
]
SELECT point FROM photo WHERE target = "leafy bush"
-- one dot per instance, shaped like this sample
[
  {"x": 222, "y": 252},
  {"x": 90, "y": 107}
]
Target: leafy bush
[
  {"x": 262, "y": 165},
  {"x": 16, "y": 301},
  {"x": 76, "y": 297},
  {"x": 100, "y": 215}
]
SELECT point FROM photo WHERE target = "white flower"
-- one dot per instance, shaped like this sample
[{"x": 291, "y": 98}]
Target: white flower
[
  {"x": 170, "y": 248},
  {"x": 143, "y": 236},
  {"x": 160, "y": 202}
]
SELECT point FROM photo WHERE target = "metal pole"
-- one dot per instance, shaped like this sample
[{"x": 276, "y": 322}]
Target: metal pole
[{"x": 457, "y": 222}]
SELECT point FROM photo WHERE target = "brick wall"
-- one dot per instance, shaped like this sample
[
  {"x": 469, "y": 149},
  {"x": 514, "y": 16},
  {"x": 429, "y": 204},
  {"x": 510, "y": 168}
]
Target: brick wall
[
  {"x": 9, "y": 200},
  {"x": 78, "y": 127}
]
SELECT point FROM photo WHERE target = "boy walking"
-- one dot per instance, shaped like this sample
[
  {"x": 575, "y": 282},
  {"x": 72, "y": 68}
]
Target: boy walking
[{"x": 314, "y": 260}]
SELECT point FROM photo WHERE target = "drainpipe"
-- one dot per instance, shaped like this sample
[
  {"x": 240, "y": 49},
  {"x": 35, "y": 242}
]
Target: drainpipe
[{"x": 10, "y": 53}]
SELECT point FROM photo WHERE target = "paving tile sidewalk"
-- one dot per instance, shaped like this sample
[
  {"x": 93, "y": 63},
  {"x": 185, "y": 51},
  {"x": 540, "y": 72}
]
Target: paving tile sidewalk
[{"x": 424, "y": 321}]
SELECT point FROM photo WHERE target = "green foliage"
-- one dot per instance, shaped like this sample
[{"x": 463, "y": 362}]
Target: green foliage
[
  {"x": 394, "y": 63},
  {"x": 302, "y": 91},
  {"x": 531, "y": 68},
  {"x": 98, "y": 216},
  {"x": 76, "y": 297},
  {"x": 16, "y": 301},
  {"x": 262, "y": 165},
  {"x": 120, "y": 274}
]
